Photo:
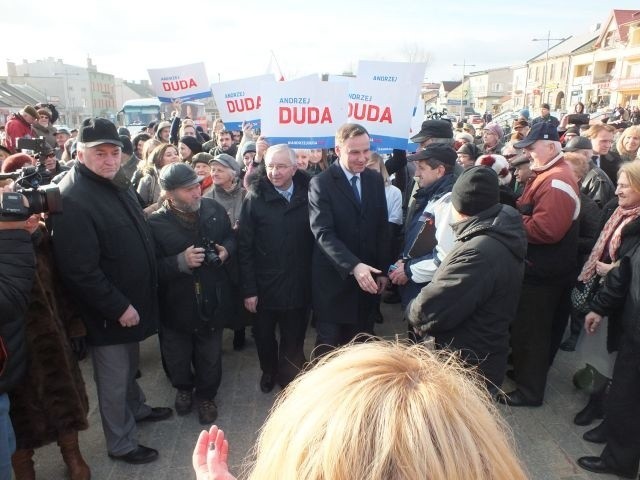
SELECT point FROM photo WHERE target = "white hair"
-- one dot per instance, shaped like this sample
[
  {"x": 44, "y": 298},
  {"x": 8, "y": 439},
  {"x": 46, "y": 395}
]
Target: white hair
[{"x": 280, "y": 148}]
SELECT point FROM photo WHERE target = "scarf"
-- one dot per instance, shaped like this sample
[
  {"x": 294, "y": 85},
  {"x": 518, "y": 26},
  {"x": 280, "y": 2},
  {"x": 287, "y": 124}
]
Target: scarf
[
  {"x": 206, "y": 183},
  {"x": 610, "y": 236},
  {"x": 189, "y": 220}
]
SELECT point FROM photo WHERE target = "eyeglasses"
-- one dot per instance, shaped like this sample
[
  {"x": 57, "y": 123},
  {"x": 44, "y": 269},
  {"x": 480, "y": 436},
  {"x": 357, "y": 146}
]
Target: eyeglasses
[
  {"x": 278, "y": 167},
  {"x": 50, "y": 155}
]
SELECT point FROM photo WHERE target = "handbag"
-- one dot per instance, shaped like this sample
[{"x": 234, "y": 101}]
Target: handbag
[{"x": 582, "y": 294}]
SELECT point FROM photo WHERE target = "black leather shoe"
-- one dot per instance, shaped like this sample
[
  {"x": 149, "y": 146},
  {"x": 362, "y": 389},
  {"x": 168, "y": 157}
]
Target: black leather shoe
[
  {"x": 138, "y": 456},
  {"x": 157, "y": 414},
  {"x": 592, "y": 411},
  {"x": 517, "y": 399},
  {"x": 267, "y": 382},
  {"x": 596, "y": 435},
  {"x": 598, "y": 465}
]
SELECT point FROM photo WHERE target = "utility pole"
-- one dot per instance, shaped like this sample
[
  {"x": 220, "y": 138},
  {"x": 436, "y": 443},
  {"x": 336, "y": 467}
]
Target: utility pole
[
  {"x": 546, "y": 60},
  {"x": 462, "y": 95}
]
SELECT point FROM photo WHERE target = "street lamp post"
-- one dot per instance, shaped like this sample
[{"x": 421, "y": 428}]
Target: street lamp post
[
  {"x": 463, "y": 65},
  {"x": 546, "y": 60}
]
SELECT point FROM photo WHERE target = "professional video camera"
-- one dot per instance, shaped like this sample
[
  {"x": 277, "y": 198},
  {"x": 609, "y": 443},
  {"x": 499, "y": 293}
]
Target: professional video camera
[{"x": 32, "y": 183}]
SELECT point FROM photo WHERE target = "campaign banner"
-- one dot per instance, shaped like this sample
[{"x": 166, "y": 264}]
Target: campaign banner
[
  {"x": 303, "y": 114},
  {"x": 240, "y": 101},
  {"x": 394, "y": 72},
  {"x": 186, "y": 82},
  {"x": 382, "y": 99},
  {"x": 384, "y": 110}
]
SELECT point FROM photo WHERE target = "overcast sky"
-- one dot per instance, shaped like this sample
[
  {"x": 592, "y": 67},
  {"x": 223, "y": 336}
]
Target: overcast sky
[{"x": 235, "y": 39}]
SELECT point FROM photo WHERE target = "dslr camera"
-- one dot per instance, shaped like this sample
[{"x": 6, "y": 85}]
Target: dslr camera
[
  {"x": 32, "y": 183},
  {"x": 211, "y": 257}
]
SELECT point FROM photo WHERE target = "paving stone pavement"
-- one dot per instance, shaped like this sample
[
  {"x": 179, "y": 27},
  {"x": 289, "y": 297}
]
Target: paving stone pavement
[{"x": 547, "y": 440}]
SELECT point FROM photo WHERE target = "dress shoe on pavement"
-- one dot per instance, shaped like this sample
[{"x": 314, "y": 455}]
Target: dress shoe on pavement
[
  {"x": 592, "y": 411},
  {"x": 267, "y": 382},
  {"x": 138, "y": 456},
  {"x": 598, "y": 465},
  {"x": 184, "y": 402},
  {"x": 517, "y": 399},
  {"x": 596, "y": 435},
  {"x": 157, "y": 414}
]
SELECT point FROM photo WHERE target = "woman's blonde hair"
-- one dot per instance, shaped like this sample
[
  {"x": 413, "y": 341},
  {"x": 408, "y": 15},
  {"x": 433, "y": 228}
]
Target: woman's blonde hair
[
  {"x": 633, "y": 131},
  {"x": 632, "y": 170},
  {"x": 376, "y": 158},
  {"x": 385, "y": 411}
]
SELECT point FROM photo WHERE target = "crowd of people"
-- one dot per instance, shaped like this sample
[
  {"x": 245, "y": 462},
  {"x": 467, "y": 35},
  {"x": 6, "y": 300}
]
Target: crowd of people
[{"x": 499, "y": 248}]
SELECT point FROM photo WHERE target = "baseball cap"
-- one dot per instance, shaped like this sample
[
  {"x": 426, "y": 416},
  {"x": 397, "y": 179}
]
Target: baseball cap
[{"x": 540, "y": 131}]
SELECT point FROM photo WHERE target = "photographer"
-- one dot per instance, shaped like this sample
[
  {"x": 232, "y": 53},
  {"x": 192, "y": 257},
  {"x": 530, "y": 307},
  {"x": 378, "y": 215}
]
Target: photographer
[
  {"x": 17, "y": 269},
  {"x": 194, "y": 240}
]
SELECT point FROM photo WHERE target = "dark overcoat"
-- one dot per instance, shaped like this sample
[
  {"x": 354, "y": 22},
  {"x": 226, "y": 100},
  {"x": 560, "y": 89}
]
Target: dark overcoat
[
  {"x": 275, "y": 245},
  {"x": 181, "y": 308},
  {"x": 347, "y": 232},
  {"x": 105, "y": 254}
]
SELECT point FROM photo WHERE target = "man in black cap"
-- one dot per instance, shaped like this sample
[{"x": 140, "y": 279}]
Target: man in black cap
[
  {"x": 106, "y": 257},
  {"x": 432, "y": 131},
  {"x": 550, "y": 205},
  {"x": 428, "y": 235},
  {"x": 194, "y": 240},
  {"x": 472, "y": 298}
]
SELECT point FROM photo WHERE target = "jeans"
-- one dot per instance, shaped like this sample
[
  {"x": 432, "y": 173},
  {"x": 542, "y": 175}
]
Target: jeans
[{"x": 7, "y": 439}]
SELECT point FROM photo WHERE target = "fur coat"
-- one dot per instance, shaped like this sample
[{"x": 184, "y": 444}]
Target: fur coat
[{"x": 51, "y": 398}]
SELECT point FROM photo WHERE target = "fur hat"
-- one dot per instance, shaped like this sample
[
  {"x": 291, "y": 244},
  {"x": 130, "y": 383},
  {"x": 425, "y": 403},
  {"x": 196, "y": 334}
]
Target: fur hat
[
  {"x": 475, "y": 191},
  {"x": 16, "y": 162},
  {"x": 45, "y": 112},
  {"x": 499, "y": 164},
  {"x": 30, "y": 110},
  {"x": 464, "y": 136},
  {"x": 96, "y": 131}
]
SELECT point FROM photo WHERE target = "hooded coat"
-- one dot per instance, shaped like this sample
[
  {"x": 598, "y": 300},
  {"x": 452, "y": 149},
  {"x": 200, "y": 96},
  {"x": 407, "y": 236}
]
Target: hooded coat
[{"x": 474, "y": 294}]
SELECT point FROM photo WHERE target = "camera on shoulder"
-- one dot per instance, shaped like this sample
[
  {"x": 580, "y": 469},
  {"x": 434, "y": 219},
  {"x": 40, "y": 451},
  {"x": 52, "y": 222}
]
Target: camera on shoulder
[{"x": 32, "y": 183}]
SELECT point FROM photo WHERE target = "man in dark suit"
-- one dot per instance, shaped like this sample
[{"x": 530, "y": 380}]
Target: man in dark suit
[
  {"x": 348, "y": 213},
  {"x": 601, "y": 136}
]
